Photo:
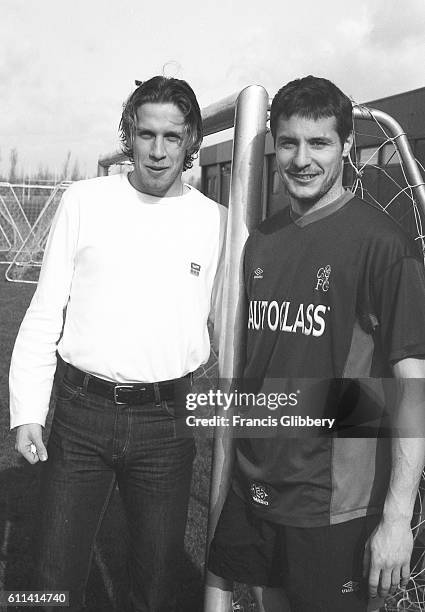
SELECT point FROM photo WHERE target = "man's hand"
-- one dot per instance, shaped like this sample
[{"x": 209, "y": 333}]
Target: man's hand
[
  {"x": 29, "y": 442},
  {"x": 387, "y": 557}
]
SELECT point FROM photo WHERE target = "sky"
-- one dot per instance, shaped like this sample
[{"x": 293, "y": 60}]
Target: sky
[{"x": 66, "y": 67}]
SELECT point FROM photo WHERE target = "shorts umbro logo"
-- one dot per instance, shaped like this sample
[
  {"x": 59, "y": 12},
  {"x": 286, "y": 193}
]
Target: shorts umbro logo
[
  {"x": 258, "y": 273},
  {"x": 259, "y": 494},
  {"x": 195, "y": 268},
  {"x": 350, "y": 587}
]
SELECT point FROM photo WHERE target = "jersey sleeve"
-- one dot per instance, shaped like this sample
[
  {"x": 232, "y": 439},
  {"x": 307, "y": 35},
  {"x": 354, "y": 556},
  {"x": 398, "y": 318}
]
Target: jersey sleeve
[
  {"x": 398, "y": 282},
  {"x": 33, "y": 361}
]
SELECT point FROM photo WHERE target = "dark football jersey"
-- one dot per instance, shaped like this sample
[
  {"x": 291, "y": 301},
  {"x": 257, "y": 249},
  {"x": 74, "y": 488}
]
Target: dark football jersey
[{"x": 335, "y": 295}]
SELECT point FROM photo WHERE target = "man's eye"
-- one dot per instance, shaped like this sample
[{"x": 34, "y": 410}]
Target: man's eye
[
  {"x": 318, "y": 144},
  {"x": 144, "y": 135},
  {"x": 286, "y": 145},
  {"x": 173, "y": 138}
]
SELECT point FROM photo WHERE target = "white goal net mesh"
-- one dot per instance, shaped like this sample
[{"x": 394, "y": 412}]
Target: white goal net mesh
[
  {"x": 379, "y": 175},
  {"x": 38, "y": 204},
  {"x": 14, "y": 224}
]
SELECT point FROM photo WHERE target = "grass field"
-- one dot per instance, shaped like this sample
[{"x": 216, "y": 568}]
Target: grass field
[{"x": 19, "y": 501}]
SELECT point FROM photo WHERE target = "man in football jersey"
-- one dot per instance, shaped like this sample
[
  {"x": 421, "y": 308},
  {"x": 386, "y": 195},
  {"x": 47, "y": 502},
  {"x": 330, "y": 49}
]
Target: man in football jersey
[
  {"x": 317, "y": 519},
  {"x": 132, "y": 260}
]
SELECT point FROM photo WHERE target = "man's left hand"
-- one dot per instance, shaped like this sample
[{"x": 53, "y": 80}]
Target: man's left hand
[{"x": 387, "y": 557}]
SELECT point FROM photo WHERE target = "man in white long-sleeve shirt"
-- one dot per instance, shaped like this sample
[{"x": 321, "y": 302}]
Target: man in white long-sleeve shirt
[{"x": 133, "y": 262}]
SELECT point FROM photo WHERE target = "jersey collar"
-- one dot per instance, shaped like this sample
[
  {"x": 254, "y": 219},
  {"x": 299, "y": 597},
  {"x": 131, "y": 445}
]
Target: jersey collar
[{"x": 321, "y": 213}]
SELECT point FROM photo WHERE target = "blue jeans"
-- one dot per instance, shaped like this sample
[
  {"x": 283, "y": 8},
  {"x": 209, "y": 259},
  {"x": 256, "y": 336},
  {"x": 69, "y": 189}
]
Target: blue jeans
[{"x": 93, "y": 445}]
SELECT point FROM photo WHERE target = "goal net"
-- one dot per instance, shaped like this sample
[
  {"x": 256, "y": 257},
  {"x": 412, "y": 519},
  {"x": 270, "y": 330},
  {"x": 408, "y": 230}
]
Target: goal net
[
  {"x": 39, "y": 207},
  {"x": 383, "y": 170},
  {"x": 14, "y": 224}
]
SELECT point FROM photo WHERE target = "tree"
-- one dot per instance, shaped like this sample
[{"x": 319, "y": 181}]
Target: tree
[
  {"x": 65, "y": 170},
  {"x": 43, "y": 173},
  {"x": 75, "y": 171},
  {"x": 13, "y": 165}
]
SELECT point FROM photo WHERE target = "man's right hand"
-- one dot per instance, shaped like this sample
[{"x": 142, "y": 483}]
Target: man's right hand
[{"x": 29, "y": 442}]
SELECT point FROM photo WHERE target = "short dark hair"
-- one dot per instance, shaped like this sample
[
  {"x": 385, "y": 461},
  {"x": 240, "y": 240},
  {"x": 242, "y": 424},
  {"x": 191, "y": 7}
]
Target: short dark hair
[
  {"x": 160, "y": 89},
  {"x": 313, "y": 97}
]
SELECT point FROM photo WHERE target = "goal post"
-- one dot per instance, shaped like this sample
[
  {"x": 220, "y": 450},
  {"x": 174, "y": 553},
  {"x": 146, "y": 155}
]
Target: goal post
[
  {"x": 14, "y": 224},
  {"x": 26, "y": 263},
  {"x": 413, "y": 191},
  {"x": 399, "y": 137},
  {"x": 248, "y": 114},
  {"x": 245, "y": 211}
]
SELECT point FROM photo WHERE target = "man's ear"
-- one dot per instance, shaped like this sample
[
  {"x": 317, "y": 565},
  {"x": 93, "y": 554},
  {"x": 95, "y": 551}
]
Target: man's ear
[{"x": 348, "y": 144}]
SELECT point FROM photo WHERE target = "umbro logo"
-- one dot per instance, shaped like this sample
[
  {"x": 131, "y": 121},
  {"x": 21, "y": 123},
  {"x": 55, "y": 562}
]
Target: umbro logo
[
  {"x": 259, "y": 494},
  {"x": 258, "y": 273},
  {"x": 350, "y": 587},
  {"x": 322, "y": 276}
]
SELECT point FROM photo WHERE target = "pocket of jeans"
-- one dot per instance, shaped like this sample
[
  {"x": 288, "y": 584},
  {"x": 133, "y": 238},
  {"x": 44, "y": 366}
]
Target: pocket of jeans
[
  {"x": 176, "y": 409},
  {"x": 169, "y": 407},
  {"x": 66, "y": 391}
]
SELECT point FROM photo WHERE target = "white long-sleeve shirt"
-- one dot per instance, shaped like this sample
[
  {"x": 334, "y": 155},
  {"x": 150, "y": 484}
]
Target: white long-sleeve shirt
[{"x": 135, "y": 275}]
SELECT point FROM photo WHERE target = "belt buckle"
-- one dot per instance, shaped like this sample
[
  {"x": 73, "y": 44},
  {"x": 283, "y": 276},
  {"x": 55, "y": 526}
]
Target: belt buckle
[{"x": 118, "y": 388}]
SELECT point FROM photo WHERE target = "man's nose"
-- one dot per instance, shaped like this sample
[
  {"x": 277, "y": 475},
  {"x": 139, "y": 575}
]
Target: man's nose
[
  {"x": 157, "y": 150},
  {"x": 302, "y": 156}
]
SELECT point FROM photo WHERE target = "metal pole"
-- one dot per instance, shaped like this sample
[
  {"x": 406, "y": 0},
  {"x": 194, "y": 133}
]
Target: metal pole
[
  {"x": 102, "y": 170},
  {"x": 402, "y": 143},
  {"x": 219, "y": 116},
  {"x": 244, "y": 215}
]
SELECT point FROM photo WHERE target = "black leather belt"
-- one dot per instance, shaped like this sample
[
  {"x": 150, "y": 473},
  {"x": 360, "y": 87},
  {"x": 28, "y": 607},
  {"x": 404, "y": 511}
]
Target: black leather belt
[{"x": 136, "y": 393}]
